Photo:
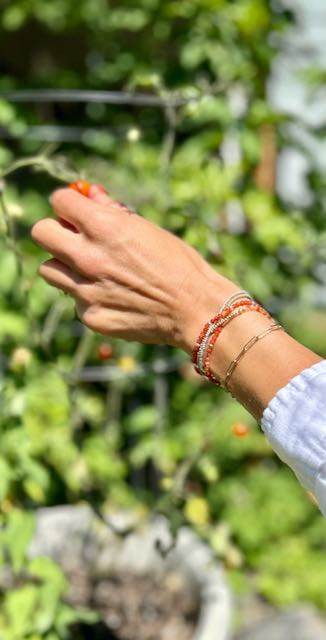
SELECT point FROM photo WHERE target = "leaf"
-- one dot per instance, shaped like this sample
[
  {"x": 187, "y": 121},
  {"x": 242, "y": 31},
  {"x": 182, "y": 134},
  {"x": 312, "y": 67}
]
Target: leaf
[
  {"x": 18, "y": 534},
  {"x": 8, "y": 266},
  {"x": 197, "y": 511},
  {"x": 37, "y": 482},
  {"x": 208, "y": 468},
  {"x": 19, "y": 607},
  {"x": 143, "y": 419},
  {"x": 68, "y": 616},
  {"x": 12, "y": 325},
  {"x": 209, "y": 109},
  {"x": 6, "y": 475},
  {"x": 48, "y": 603},
  {"x": 47, "y": 570},
  {"x": 7, "y": 113}
]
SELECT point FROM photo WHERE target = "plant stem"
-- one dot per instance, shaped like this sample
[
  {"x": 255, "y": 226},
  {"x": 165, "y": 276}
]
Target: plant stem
[
  {"x": 12, "y": 244},
  {"x": 24, "y": 162},
  {"x": 52, "y": 320}
]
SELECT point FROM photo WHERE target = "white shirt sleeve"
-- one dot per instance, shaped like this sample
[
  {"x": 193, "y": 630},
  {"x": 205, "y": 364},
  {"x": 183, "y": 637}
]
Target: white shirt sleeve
[{"x": 295, "y": 424}]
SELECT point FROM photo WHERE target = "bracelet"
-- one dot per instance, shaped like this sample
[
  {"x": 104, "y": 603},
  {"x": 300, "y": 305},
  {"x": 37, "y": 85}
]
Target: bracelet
[
  {"x": 211, "y": 322},
  {"x": 210, "y": 326},
  {"x": 220, "y": 319},
  {"x": 273, "y": 327},
  {"x": 232, "y": 298},
  {"x": 233, "y": 314}
]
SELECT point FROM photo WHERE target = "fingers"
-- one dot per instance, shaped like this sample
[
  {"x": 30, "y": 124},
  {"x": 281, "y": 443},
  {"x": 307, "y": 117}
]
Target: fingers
[
  {"x": 73, "y": 207},
  {"x": 86, "y": 214},
  {"x": 58, "y": 240},
  {"x": 59, "y": 275},
  {"x": 98, "y": 194}
]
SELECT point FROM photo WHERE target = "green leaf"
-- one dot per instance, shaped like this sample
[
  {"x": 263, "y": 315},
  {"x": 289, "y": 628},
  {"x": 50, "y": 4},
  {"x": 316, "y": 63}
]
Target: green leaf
[
  {"x": 47, "y": 570},
  {"x": 37, "y": 481},
  {"x": 8, "y": 265},
  {"x": 18, "y": 534},
  {"x": 19, "y": 608},
  {"x": 12, "y": 325},
  {"x": 7, "y": 113},
  {"x": 68, "y": 616},
  {"x": 6, "y": 475},
  {"x": 48, "y": 604},
  {"x": 143, "y": 419}
]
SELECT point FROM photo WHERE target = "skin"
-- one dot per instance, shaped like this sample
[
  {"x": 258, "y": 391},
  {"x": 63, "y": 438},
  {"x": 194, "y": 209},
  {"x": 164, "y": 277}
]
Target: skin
[{"x": 134, "y": 280}]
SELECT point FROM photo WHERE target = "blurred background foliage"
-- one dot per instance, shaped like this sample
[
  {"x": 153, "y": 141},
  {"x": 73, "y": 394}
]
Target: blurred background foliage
[{"x": 141, "y": 431}]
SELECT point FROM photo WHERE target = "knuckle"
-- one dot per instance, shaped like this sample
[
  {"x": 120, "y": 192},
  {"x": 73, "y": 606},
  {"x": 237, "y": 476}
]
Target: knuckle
[
  {"x": 102, "y": 218},
  {"x": 107, "y": 228},
  {"x": 86, "y": 294},
  {"x": 91, "y": 319},
  {"x": 85, "y": 265},
  {"x": 119, "y": 236},
  {"x": 89, "y": 257},
  {"x": 117, "y": 222},
  {"x": 96, "y": 227}
]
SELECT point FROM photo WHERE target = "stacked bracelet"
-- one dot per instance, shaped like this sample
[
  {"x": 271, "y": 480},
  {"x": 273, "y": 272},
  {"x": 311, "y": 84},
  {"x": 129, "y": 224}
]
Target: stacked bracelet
[
  {"x": 233, "y": 314},
  {"x": 238, "y": 298},
  {"x": 211, "y": 325},
  {"x": 234, "y": 297},
  {"x": 237, "y": 304}
]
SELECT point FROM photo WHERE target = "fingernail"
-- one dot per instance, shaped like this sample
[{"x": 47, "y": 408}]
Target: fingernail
[{"x": 95, "y": 190}]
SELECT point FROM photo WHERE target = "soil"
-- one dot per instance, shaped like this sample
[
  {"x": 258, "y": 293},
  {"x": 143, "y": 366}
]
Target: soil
[{"x": 134, "y": 607}]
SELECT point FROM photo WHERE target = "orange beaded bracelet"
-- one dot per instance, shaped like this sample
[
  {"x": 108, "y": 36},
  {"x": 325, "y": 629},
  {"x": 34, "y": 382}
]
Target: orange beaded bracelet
[
  {"x": 232, "y": 314},
  {"x": 236, "y": 300}
]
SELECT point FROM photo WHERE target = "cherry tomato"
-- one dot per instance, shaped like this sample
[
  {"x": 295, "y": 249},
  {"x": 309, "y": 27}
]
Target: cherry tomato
[
  {"x": 240, "y": 430},
  {"x": 82, "y": 186},
  {"x": 104, "y": 351}
]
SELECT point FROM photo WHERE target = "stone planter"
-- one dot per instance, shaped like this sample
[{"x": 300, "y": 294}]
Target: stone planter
[{"x": 75, "y": 539}]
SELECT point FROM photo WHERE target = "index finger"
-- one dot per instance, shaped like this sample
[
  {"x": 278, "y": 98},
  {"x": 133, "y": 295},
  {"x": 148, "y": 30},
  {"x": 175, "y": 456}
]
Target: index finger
[{"x": 75, "y": 208}]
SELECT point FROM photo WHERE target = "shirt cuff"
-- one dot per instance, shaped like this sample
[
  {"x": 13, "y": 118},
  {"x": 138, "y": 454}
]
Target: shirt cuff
[{"x": 295, "y": 424}]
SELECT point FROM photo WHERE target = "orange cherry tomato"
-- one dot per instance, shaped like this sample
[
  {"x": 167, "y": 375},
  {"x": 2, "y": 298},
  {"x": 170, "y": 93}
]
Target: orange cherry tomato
[
  {"x": 104, "y": 351},
  {"x": 240, "y": 430},
  {"x": 81, "y": 186}
]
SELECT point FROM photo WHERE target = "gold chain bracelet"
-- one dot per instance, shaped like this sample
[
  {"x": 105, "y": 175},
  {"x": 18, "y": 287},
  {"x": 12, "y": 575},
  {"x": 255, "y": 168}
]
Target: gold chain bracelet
[{"x": 274, "y": 327}]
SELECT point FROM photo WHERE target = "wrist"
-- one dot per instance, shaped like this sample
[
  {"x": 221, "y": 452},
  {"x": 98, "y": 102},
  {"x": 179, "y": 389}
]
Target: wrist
[
  {"x": 198, "y": 305},
  {"x": 233, "y": 338}
]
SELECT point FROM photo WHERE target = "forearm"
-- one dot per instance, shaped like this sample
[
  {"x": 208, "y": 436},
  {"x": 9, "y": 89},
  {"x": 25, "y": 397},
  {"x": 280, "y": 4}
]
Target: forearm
[{"x": 267, "y": 367}]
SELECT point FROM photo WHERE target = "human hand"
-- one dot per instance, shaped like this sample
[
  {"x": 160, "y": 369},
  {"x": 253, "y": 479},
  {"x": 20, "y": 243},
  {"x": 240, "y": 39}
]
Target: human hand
[{"x": 130, "y": 278}]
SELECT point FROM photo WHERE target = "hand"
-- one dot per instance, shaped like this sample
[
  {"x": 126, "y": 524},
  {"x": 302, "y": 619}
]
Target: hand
[{"x": 130, "y": 278}]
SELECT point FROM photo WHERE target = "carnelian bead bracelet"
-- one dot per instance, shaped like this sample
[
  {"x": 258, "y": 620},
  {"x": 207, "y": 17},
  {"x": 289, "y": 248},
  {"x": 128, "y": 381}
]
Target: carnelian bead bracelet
[
  {"x": 234, "y": 314},
  {"x": 208, "y": 328},
  {"x": 211, "y": 325},
  {"x": 217, "y": 322},
  {"x": 237, "y": 304}
]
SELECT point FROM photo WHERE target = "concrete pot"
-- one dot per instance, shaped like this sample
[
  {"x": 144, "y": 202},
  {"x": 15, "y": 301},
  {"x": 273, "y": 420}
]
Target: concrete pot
[{"x": 76, "y": 539}]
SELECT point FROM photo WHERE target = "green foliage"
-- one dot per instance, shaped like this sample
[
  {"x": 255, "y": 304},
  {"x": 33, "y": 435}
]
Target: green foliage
[
  {"x": 33, "y": 606},
  {"x": 117, "y": 444}
]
